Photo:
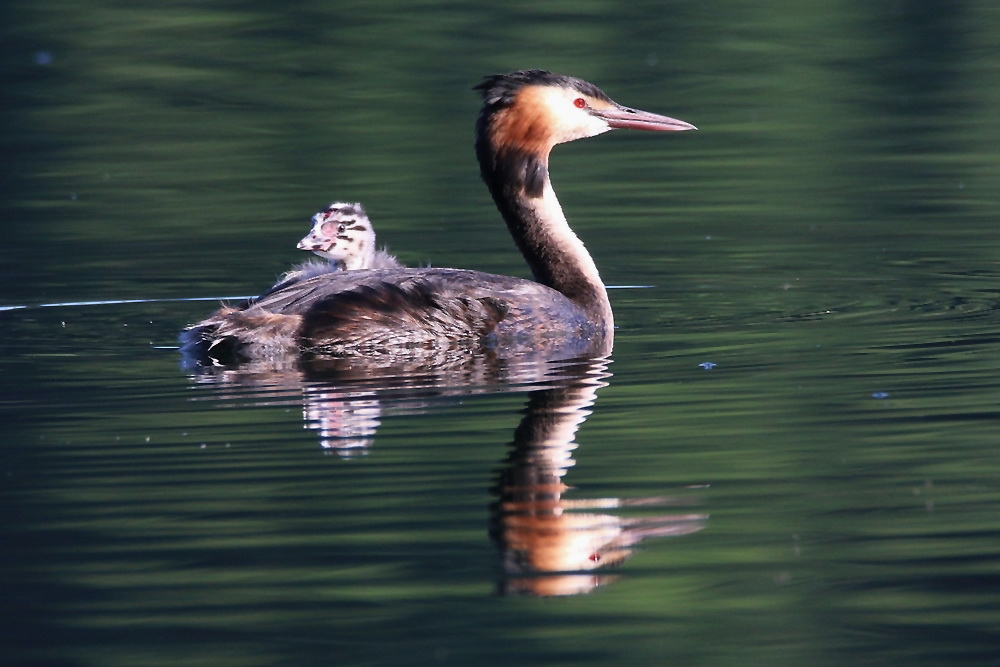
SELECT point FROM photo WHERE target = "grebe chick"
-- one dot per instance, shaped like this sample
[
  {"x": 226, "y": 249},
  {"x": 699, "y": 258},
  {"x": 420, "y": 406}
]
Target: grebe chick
[
  {"x": 565, "y": 309},
  {"x": 343, "y": 235}
]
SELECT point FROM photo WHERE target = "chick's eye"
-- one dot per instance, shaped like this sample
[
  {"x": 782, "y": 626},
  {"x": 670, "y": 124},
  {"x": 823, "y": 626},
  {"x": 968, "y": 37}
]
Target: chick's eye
[{"x": 580, "y": 103}]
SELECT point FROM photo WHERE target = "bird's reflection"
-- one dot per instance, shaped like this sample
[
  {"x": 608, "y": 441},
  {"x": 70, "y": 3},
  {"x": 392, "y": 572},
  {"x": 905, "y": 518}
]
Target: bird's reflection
[
  {"x": 346, "y": 424},
  {"x": 550, "y": 542},
  {"x": 344, "y": 399}
]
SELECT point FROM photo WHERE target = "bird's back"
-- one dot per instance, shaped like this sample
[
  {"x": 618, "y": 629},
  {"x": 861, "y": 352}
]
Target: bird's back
[{"x": 372, "y": 311}]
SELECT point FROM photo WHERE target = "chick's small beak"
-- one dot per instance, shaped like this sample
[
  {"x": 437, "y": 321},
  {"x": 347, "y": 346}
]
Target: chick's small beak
[{"x": 312, "y": 243}]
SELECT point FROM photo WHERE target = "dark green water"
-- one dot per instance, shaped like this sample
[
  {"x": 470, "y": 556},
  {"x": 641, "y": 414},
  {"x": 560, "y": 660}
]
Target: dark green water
[{"x": 827, "y": 494}]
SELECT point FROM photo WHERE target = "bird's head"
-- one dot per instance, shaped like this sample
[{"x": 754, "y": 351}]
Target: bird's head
[
  {"x": 533, "y": 110},
  {"x": 341, "y": 233}
]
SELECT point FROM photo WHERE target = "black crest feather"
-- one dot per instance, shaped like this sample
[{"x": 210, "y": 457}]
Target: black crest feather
[{"x": 501, "y": 89}]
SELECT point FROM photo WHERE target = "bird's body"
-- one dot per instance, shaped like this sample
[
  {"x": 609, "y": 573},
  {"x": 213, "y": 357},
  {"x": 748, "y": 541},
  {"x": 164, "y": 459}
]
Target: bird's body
[{"x": 566, "y": 307}]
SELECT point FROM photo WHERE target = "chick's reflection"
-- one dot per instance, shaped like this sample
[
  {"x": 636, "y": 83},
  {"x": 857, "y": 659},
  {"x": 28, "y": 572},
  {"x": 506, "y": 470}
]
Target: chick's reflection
[
  {"x": 553, "y": 545},
  {"x": 346, "y": 424}
]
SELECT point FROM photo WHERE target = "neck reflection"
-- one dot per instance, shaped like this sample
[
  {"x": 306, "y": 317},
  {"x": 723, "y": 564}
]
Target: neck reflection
[{"x": 551, "y": 544}]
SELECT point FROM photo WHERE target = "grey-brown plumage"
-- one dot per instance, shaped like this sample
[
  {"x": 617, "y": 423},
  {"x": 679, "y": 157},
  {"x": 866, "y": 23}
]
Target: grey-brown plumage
[{"x": 371, "y": 311}]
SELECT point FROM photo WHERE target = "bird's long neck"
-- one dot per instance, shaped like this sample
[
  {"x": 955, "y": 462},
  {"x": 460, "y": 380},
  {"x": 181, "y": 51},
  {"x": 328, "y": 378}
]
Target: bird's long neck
[{"x": 520, "y": 185}]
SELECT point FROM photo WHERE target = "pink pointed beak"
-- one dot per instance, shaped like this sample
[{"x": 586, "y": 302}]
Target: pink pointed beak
[{"x": 634, "y": 119}]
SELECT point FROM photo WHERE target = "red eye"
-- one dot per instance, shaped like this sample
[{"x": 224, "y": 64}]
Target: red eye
[{"x": 580, "y": 103}]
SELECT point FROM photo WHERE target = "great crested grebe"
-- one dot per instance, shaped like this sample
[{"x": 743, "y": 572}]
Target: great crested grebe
[
  {"x": 524, "y": 115},
  {"x": 343, "y": 235}
]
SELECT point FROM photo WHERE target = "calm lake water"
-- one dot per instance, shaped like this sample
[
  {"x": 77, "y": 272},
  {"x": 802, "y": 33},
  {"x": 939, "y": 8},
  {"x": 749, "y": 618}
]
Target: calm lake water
[{"x": 792, "y": 456}]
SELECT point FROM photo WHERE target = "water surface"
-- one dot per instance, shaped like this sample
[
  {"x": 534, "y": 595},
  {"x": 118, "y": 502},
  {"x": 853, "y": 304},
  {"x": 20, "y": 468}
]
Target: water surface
[{"x": 790, "y": 457}]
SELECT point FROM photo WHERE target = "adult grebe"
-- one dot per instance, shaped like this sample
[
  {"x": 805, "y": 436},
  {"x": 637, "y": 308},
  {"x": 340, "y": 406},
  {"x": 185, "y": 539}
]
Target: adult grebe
[{"x": 524, "y": 115}]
